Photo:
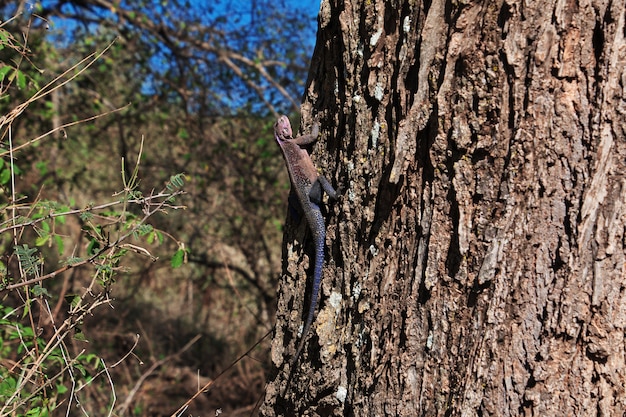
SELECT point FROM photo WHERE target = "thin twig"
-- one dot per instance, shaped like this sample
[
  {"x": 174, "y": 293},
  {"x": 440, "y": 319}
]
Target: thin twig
[
  {"x": 145, "y": 375},
  {"x": 112, "y": 387},
  {"x": 66, "y": 125},
  {"x": 211, "y": 382},
  {"x": 50, "y": 87},
  {"x": 143, "y": 201}
]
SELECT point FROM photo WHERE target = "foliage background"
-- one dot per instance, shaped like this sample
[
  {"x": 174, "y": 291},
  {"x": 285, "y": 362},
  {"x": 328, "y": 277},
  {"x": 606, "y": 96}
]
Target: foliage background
[{"x": 184, "y": 88}]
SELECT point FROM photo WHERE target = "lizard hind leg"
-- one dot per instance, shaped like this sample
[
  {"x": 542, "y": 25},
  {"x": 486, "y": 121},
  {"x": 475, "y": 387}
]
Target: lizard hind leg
[
  {"x": 315, "y": 195},
  {"x": 327, "y": 187},
  {"x": 321, "y": 183}
]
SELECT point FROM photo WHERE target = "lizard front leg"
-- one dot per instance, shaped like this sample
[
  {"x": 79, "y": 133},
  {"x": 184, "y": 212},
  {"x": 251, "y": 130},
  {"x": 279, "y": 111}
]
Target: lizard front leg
[{"x": 311, "y": 137}]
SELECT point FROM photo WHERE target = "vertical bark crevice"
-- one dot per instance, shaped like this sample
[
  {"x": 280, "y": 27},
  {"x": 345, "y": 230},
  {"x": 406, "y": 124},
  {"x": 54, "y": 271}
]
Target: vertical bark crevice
[{"x": 481, "y": 229}]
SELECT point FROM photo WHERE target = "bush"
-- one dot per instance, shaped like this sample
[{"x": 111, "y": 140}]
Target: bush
[{"x": 46, "y": 360}]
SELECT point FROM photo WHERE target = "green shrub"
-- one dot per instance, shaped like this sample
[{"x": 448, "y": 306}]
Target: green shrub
[{"x": 45, "y": 362}]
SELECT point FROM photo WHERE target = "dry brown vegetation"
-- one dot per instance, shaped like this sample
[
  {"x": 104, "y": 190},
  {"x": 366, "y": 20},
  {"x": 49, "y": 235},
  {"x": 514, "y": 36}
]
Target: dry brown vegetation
[{"x": 135, "y": 303}]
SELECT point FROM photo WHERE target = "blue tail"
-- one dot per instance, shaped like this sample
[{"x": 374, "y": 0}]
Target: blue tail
[{"x": 316, "y": 224}]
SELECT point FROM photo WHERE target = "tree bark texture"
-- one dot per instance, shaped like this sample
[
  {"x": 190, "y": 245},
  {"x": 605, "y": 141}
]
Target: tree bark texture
[{"x": 475, "y": 262}]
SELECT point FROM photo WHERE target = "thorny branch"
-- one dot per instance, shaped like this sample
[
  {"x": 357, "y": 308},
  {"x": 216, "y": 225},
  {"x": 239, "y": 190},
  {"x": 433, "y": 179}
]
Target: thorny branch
[{"x": 152, "y": 208}]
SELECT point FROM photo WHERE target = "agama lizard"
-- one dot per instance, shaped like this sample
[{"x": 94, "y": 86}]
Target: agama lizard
[{"x": 308, "y": 185}]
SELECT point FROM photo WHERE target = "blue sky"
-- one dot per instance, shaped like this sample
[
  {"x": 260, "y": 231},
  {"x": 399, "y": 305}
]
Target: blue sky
[{"x": 249, "y": 18}]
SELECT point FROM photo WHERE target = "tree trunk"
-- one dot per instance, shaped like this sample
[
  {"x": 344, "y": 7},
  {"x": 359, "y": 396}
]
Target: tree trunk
[{"x": 475, "y": 262}]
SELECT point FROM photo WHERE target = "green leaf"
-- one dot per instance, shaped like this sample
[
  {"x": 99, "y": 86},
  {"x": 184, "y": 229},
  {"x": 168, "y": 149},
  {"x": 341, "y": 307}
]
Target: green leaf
[
  {"x": 38, "y": 291},
  {"x": 178, "y": 258},
  {"x": 30, "y": 263},
  {"x": 5, "y": 176},
  {"x": 63, "y": 209},
  {"x": 86, "y": 216},
  {"x": 60, "y": 245},
  {"x": 182, "y": 133},
  {"x": 144, "y": 229},
  {"x": 61, "y": 389},
  {"x": 93, "y": 247},
  {"x": 73, "y": 260},
  {"x": 176, "y": 181},
  {"x": 81, "y": 369},
  {"x": 26, "y": 310},
  {"x": 27, "y": 333},
  {"x": 4, "y": 71},
  {"x": 75, "y": 301},
  {"x": 42, "y": 240},
  {"x": 33, "y": 412},
  {"x": 42, "y": 166},
  {"x": 7, "y": 387},
  {"x": 21, "y": 80},
  {"x": 37, "y": 412}
]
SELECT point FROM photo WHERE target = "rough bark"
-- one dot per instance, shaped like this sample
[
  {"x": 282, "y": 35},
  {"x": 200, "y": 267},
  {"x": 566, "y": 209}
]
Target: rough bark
[{"x": 475, "y": 262}]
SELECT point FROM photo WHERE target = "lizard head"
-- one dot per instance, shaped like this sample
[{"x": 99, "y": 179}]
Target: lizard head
[{"x": 282, "y": 128}]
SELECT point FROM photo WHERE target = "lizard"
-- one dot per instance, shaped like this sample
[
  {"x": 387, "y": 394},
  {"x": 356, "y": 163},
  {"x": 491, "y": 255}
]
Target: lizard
[{"x": 307, "y": 185}]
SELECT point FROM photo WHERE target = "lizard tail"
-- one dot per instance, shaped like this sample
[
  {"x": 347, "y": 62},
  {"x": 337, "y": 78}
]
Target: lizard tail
[
  {"x": 317, "y": 279},
  {"x": 319, "y": 237}
]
